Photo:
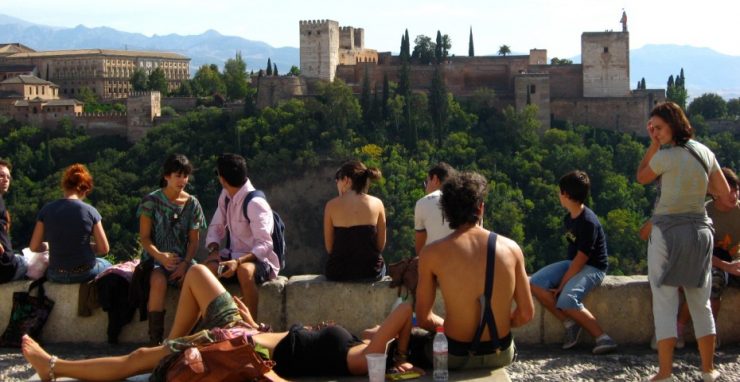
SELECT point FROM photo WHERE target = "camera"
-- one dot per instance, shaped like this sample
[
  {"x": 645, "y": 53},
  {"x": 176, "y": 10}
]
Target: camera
[{"x": 220, "y": 270}]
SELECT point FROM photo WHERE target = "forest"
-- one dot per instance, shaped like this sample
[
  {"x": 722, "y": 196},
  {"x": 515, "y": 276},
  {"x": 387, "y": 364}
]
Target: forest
[{"x": 401, "y": 132}]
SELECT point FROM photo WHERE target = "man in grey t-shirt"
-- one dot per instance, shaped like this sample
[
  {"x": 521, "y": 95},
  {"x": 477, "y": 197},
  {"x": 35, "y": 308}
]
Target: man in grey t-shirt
[{"x": 429, "y": 222}]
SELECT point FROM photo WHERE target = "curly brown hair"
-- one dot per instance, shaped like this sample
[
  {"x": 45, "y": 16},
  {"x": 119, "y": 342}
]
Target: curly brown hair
[{"x": 462, "y": 195}]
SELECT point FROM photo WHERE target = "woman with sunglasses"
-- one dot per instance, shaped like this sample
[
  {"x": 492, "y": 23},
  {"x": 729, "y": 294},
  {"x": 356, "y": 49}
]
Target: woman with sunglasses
[
  {"x": 354, "y": 226},
  {"x": 170, "y": 221},
  {"x": 65, "y": 228}
]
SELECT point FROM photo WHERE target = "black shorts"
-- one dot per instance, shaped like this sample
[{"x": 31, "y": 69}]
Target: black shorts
[{"x": 314, "y": 353}]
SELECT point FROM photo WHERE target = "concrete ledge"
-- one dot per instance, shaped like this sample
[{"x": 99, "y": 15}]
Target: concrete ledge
[{"x": 622, "y": 304}]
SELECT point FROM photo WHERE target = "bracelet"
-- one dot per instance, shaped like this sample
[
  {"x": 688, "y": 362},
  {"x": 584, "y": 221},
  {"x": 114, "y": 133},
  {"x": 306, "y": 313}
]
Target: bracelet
[{"x": 52, "y": 363}]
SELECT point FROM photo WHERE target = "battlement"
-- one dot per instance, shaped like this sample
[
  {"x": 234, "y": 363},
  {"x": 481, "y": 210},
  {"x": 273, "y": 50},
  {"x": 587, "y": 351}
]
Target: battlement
[
  {"x": 143, "y": 94},
  {"x": 111, "y": 114},
  {"x": 315, "y": 23}
]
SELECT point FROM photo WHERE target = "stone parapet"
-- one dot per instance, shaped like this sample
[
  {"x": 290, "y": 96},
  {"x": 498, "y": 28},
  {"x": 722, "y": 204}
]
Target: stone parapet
[{"x": 622, "y": 304}]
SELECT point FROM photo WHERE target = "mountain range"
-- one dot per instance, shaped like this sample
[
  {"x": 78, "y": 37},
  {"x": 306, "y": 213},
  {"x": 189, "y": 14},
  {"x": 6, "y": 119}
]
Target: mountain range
[{"x": 705, "y": 70}]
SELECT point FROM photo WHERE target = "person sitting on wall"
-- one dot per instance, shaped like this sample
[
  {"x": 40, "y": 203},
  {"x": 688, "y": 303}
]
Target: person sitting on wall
[
  {"x": 354, "y": 226},
  {"x": 73, "y": 230},
  {"x": 12, "y": 266},
  {"x": 480, "y": 274},
  {"x": 248, "y": 253},
  {"x": 562, "y": 286},
  {"x": 429, "y": 222}
]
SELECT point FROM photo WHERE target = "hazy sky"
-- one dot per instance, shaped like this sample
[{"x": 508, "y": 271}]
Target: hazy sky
[{"x": 555, "y": 25}]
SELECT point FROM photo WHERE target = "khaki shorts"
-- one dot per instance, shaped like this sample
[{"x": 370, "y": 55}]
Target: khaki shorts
[{"x": 483, "y": 361}]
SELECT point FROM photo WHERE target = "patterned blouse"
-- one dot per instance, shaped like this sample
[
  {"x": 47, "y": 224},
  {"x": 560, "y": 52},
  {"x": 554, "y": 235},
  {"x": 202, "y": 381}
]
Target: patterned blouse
[{"x": 171, "y": 223}]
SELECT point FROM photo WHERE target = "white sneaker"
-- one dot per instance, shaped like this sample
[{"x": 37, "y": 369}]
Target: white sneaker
[{"x": 710, "y": 376}]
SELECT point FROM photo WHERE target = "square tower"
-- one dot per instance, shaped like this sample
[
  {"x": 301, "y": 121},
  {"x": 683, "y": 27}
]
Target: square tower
[
  {"x": 319, "y": 48},
  {"x": 606, "y": 64}
]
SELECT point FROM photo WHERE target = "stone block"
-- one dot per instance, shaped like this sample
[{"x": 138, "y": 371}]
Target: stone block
[{"x": 356, "y": 306}]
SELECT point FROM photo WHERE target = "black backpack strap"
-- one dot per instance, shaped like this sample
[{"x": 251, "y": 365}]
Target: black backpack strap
[
  {"x": 251, "y": 195},
  {"x": 697, "y": 157},
  {"x": 486, "y": 310}
]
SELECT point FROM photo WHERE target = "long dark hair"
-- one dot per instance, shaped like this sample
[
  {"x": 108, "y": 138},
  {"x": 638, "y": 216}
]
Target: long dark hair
[{"x": 175, "y": 164}]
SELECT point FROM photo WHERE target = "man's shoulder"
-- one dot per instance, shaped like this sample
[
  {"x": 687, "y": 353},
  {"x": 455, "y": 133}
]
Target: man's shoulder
[{"x": 431, "y": 198}]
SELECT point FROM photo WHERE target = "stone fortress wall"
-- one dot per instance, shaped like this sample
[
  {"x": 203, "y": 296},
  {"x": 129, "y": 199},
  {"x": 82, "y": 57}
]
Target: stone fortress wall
[{"x": 596, "y": 92}]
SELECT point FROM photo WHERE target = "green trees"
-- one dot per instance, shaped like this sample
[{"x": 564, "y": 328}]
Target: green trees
[
  {"x": 709, "y": 106},
  {"x": 235, "y": 77},
  {"x": 733, "y": 108},
  {"x": 268, "y": 71},
  {"x": 504, "y": 50},
  {"x": 157, "y": 81},
  {"x": 676, "y": 90},
  {"x": 423, "y": 49},
  {"x": 471, "y": 48},
  {"x": 557, "y": 61},
  {"x": 207, "y": 81},
  {"x": 139, "y": 80}
]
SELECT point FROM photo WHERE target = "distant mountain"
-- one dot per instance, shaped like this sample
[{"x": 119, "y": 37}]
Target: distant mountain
[
  {"x": 705, "y": 69},
  {"x": 209, "y": 47}
]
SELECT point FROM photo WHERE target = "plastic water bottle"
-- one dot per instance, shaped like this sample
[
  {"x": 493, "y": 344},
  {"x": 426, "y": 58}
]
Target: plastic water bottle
[{"x": 439, "y": 347}]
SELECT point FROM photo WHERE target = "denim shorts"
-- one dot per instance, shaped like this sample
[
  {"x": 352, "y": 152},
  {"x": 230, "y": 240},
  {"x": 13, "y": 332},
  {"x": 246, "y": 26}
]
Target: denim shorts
[
  {"x": 575, "y": 290},
  {"x": 64, "y": 277}
]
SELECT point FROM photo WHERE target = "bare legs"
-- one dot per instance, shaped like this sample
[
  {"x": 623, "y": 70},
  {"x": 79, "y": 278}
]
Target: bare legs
[
  {"x": 142, "y": 360},
  {"x": 198, "y": 290},
  {"x": 245, "y": 273},
  {"x": 396, "y": 325},
  {"x": 582, "y": 317}
]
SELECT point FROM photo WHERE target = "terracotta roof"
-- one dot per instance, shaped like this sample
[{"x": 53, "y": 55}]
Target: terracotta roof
[
  {"x": 27, "y": 80},
  {"x": 100, "y": 52}
]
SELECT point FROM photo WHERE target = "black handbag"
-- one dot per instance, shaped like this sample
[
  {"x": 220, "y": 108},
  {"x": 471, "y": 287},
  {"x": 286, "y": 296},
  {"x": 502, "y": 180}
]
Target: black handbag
[{"x": 28, "y": 316}]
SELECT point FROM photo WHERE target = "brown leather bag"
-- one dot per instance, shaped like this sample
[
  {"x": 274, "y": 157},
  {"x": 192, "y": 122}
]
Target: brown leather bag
[
  {"x": 405, "y": 273},
  {"x": 233, "y": 360}
]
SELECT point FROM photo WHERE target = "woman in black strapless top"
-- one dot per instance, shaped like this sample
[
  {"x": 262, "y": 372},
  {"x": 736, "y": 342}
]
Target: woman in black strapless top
[{"x": 354, "y": 227}]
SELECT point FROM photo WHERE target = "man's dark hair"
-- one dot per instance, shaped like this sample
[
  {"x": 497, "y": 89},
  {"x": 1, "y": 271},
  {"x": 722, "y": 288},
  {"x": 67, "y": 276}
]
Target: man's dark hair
[
  {"x": 442, "y": 171},
  {"x": 175, "y": 164},
  {"x": 6, "y": 163},
  {"x": 233, "y": 168},
  {"x": 575, "y": 185},
  {"x": 676, "y": 119},
  {"x": 730, "y": 176},
  {"x": 462, "y": 195}
]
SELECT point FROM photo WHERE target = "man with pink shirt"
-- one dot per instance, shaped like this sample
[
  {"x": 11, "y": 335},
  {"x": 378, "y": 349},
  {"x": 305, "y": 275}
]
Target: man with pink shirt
[{"x": 248, "y": 251}]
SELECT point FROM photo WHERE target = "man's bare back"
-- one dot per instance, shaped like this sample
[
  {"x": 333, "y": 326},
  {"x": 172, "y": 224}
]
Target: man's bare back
[{"x": 457, "y": 264}]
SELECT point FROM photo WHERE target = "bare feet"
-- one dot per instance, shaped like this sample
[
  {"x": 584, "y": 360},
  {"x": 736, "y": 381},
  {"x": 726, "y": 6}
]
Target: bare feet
[{"x": 36, "y": 356}]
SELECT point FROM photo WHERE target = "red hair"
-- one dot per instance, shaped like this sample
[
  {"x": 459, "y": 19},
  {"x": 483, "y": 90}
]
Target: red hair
[{"x": 77, "y": 178}]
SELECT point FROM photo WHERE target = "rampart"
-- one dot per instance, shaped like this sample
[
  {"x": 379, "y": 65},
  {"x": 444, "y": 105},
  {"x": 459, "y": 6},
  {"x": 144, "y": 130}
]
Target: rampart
[{"x": 622, "y": 305}]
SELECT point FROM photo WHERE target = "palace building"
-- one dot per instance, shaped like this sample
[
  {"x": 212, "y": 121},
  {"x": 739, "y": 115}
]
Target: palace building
[{"x": 106, "y": 72}]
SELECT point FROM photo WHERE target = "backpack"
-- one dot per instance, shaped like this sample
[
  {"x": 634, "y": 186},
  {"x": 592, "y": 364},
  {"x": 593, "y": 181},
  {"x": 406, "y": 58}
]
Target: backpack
[{"x": 278, "y": 228}]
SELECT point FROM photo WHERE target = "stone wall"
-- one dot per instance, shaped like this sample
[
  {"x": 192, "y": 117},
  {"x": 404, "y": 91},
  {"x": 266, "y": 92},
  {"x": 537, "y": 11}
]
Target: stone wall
[
  {"x": 626, "y": 114},
  {"x": 273, "y": 89},
  {"x": 180, "y": 104},
  {"x": 103, "y": 124},
  {"x": 622, "y": 305},
  {"x": 319, "y": 48}
]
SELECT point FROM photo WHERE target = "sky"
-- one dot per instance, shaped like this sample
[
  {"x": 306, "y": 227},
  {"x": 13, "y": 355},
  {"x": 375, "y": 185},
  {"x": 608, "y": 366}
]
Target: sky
[{"x": 555, "y": 25}]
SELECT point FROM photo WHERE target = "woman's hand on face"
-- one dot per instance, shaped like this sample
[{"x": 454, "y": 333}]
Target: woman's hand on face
[
  {"x": 651, "y": 133},
  {"x": 169, "y": 260}
]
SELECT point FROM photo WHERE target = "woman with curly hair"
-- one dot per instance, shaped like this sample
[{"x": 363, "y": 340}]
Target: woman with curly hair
[{"x": 65, "y": 228}]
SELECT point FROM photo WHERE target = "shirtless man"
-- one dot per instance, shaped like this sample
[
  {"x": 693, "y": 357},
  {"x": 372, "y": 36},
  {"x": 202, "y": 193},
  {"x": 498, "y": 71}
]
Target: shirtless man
[{"x": 459, "y": 265}]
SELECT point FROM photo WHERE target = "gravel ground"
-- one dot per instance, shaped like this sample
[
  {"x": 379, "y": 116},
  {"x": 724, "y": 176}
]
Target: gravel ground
[{"x": 535, "y": 363}]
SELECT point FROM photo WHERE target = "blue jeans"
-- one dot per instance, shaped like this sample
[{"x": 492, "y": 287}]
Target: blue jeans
[
  {"x": 575, "y": 290},
  {"x": 78, "y": 277}
]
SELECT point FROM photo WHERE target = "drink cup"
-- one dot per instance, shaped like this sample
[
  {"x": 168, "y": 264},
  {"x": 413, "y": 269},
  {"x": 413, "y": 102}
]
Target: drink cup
[{"x": 376, "y": 366}]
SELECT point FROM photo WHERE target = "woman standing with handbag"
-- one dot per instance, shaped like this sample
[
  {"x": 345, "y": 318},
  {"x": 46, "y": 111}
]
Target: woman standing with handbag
[
  {"x": 170, "y": 221},
  {"x": 68, "y": 225},
  {"x": 680, "y": 245}
]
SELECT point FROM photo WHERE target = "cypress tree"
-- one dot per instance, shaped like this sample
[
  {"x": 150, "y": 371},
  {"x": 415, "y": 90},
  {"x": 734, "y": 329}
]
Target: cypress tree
[
  {"x": 471, "y": 50},
  {"x": 269, "y": 67},
  {"x": 386, "y": 95},
  {"x": 438, "y": 105},
  {"x": 438, "y": 48},
  {"x": 365, "y": 97},
  {"x": 670, "y": 81},
  {"x": 274, "y": 69},
  {"x": 642, "y": 83}
]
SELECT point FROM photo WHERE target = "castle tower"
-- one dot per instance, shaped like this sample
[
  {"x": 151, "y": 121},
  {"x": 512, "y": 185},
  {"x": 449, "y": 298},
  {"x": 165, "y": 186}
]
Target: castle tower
[
  {"x": 319, "y": 52},
  {"x": 606, "y": 64},
  {"x": 141, "y": 109}
]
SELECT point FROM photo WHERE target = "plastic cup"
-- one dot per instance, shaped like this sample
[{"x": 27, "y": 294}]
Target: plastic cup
[{"x": 376, "y": 366}]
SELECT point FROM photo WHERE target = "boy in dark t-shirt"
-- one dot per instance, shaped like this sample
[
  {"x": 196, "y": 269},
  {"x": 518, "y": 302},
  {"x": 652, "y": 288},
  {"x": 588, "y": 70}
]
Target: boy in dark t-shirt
[{"x": 561, "y": 287}]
